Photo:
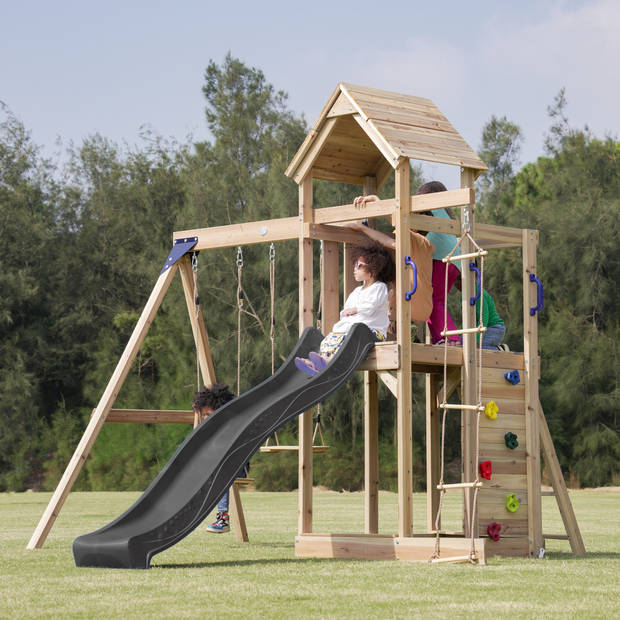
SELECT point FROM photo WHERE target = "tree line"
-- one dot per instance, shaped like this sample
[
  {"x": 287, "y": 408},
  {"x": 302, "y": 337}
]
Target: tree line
[{"x": 84, "y": 242}]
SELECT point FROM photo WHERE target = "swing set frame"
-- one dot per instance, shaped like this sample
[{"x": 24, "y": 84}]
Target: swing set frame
[{"x": 361, "y": 137}]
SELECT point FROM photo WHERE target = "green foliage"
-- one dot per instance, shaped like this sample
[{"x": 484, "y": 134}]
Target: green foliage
[
  {"x": 573, "y": 198},
  {"x": 84, "y": 246}
]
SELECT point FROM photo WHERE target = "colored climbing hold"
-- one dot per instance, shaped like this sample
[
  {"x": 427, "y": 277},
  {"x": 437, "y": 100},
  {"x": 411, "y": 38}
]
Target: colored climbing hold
[
  {"x": 490, "y": 410},
  {"x": 512, "y": 503},
  {"x": 511, "y": 440},
  {"x": 485, "y": 469},
  {"x": 493, "y": 530},
  {"x": 512, "y": 376}
]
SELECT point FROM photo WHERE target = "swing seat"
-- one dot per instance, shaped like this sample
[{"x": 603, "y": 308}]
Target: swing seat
[{"x": 273, "y": 449}]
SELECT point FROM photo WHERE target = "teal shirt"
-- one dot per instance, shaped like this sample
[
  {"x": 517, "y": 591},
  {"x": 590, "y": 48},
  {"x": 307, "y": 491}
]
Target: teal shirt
[{"x": 443, "y": 242}]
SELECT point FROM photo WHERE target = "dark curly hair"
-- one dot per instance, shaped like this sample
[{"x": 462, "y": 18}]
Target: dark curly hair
[
  {"x": 378, "y": 259},
  {"x": 214, "y": 396}
]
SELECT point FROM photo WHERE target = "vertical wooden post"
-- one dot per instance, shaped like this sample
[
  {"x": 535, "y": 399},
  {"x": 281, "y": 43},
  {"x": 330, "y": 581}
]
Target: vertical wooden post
[
  {"x": 99, "y": 415},
  {"x": 532, "y": 373},
  {"x": 371, "y": 425},
  {"x": 237, "y": 516},
  {"x": 371, "y": 452},
  {"x": 433, "y": 447},
  {"x": 469, "y": 394},
  {"x": 304, "y": 521},
  {"x": 330, "y": 312},
  {"x": 403, "y": 335}
]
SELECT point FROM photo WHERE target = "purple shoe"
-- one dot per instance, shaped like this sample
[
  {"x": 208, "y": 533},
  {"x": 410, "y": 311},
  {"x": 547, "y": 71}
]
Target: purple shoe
[
  {"x": 318, "y": 361},
  {"x": 305, "y": 366}
]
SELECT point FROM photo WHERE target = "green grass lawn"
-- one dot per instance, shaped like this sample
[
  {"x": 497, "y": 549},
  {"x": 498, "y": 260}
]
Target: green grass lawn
[{"x": 209, "y": 575}]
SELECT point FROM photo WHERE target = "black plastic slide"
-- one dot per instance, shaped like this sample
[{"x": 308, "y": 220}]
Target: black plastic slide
[{"x": 207, "y": 462}]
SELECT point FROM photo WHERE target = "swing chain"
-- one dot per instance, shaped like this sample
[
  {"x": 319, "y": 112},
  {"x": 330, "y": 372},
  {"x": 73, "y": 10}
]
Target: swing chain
[
  {"x": 239, "y": 256},
  {"x": 272, "y": 252}
]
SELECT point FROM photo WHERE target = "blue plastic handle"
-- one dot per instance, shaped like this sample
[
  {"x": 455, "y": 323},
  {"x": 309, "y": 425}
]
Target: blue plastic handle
[
  {"x": 409, "y": 294},
  {"x": 473, "y": 300},
  {"x": 539, "y": 305}
]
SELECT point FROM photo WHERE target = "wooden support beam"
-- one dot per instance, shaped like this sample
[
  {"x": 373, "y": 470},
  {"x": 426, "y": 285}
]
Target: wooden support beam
[
  {"x": 403, "y": 326},
  {"x": 149, "y": 416},
  {"x": 559, "y": 486},
  {"x": 199, "y": 330},
  {"x": 469, "y": 370},
  {"x": 306, "y": 316},
  {"x": 306, "y": 163},
  {"x": 330, "y": 312},
  {"x": 105, "y": 404},
  {"x": 532, "y": 373},
  {"x": 237, "y": 516},
  {"x": 371, "y": 453}
]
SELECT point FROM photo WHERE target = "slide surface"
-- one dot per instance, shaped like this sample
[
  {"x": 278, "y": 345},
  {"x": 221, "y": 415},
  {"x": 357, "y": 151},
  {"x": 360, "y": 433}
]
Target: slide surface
[{"x": 207, "y": 462}]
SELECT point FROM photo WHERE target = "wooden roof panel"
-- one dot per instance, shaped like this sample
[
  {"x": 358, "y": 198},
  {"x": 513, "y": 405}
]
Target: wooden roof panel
[{"x": 374, "y": 125}]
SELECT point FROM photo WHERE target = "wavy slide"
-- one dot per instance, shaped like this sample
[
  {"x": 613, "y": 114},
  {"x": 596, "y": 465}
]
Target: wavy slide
[{"x": 207, "y": 462}]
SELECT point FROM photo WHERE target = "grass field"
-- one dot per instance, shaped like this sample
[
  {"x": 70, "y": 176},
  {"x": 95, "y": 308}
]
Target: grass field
[{"x": 209, "y": 575}]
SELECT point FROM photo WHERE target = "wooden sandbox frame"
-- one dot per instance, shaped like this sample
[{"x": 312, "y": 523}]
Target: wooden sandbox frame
[{"x": 361, "y": 137}]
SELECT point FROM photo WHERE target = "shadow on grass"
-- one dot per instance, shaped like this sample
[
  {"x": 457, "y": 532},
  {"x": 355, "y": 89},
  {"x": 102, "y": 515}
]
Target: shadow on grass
[
  {"x": 236, "y": 563},
  {"x": 590, "y": 555}
]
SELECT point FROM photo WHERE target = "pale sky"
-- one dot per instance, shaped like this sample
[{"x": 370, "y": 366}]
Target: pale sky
[{"x": 72, "y": 68}]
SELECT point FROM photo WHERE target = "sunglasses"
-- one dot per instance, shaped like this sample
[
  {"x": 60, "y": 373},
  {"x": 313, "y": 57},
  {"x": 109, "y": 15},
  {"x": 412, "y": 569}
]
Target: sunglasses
[{"x": 358, "y": 264}]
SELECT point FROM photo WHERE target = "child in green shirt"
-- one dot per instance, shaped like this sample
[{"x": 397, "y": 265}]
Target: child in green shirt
[{"x": 496, "y": 330}]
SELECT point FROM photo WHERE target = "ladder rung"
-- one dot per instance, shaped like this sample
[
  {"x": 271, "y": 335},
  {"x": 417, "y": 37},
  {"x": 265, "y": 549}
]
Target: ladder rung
[
  {"x": 457, "y": 406},
  {"x": 468, "y": 330},
  {"x": 556, "y": 536},
  {"x": 453, "y": 259},
  {"x": 460, "y": 485}
]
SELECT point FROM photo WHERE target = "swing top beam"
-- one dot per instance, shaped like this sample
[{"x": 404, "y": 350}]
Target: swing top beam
[{"x": 326, "y": 224}]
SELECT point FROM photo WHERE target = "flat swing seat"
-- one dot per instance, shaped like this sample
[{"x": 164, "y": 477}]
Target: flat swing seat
[{"x": 274, "y": 449}]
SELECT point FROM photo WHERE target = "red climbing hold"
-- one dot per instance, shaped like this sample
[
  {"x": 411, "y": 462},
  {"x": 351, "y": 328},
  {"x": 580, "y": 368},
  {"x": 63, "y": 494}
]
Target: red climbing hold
[
  {"x": 485, "y": 469},
  {"x": 493, "y": 530}
]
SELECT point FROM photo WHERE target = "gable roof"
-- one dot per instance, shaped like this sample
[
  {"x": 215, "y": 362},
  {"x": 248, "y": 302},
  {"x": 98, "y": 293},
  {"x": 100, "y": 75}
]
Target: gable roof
[{"x": 365, "y": 132}]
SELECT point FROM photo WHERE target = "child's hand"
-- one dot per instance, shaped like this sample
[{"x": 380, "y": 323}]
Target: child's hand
[
  {"x": 360, "y": 201},
  {"x": 348, "y": 312}
]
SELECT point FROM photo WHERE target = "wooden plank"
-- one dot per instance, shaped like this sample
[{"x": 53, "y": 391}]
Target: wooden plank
[
  {"x": 313, "y": 152},
  {"x": 379, "y": 140},
  {"x": 443, "y": 200},
  {"x": 496, "y": 376},
  {"x": 497, "y": 390},
  {"x": 371, "y": 453},
  {"x": 403, "y": 336},
  {"x": 337, "y": 234},
  {"x": 469, "y": 375},
  {"x": 105, "y": 404},
  {"x": 340, "y": 177},
  {"x": 559, "y": 487},
  {"x": 532, "y": 370},
  {"x": 199, "y": 329},
  {"x": 508, "y": 547},
  {"x": 330, "y": 312},
  {"x": 306, "y": 315},
  {"x": 495, "y": 436},
  {"x": 346, "y": 547},
  {"x": 389, "y": 380},
  {"x": 341, "y": 107},
  {"x": 348, "y": 212},
  {"x": 242, "y": 234},
  {"x": 504, "y": 422},
  {"x": 420, "y": 549},
  {"x": 150, "y": 416},
  {"x": 507, "y": 405},
  {"x": 384, "y": 356}
]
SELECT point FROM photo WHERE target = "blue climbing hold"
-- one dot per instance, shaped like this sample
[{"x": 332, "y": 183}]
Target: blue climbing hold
[{"x": 512, "y": 376}]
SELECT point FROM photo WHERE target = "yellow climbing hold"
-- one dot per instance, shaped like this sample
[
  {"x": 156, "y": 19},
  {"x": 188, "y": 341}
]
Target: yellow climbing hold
[{"x": 490, "y": 410}]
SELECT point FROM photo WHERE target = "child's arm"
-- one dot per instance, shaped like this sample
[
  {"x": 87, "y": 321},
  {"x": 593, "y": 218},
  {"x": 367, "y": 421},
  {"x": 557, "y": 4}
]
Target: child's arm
[
  {"x": 380, "y": 237},
  {"x": 348, "y": 312}
]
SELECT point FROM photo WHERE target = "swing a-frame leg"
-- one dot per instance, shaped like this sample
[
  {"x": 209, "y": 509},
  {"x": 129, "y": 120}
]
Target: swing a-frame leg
[{"x": 105, "y": 404}]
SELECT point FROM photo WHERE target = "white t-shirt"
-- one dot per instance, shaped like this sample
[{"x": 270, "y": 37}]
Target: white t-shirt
[{"x": 372, "y": 309}]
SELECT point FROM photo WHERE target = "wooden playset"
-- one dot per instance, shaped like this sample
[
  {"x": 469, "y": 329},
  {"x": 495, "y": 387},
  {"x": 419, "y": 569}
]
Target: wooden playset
[{"x": 362, "y": 136}]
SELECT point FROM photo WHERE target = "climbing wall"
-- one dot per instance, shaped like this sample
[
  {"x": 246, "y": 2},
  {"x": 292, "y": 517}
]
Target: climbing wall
[{"x": 508, "y": 463}]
